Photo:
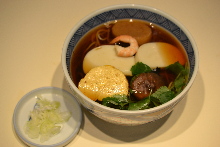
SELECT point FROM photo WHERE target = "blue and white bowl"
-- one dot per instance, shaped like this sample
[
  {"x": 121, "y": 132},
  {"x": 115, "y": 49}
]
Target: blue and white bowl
[{"x": 129, "y": 11}]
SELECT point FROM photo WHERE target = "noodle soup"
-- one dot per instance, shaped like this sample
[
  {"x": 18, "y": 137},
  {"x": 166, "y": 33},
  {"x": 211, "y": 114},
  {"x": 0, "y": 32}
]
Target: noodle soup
[
  {"x": 105, "y": 33},
  {"x": 79, "y": 39},
  {"x": 91, "y": 40}
]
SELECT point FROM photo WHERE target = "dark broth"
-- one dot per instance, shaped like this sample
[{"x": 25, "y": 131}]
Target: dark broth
[{"x": 76, "y": 71}]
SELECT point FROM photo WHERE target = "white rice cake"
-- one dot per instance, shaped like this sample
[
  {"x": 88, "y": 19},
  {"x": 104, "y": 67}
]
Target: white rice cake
[
  {"x": 106, "y": 55},
  {"x": 159, "y": 54}
]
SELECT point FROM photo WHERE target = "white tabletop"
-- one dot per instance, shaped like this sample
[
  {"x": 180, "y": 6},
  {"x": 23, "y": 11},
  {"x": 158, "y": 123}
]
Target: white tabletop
[{"x": 32, "y": 34}]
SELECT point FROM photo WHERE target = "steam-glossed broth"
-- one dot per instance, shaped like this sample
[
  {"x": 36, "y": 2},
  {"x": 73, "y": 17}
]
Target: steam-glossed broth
[{"x": 86, "y": 44}]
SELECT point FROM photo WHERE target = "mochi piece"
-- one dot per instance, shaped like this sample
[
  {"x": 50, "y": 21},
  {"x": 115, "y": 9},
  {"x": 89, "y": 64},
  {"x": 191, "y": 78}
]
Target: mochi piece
[
  {"x": 159, "y": 54},
  {"x": 103, "y": 81},
  {"x": 106, "y": 55}
]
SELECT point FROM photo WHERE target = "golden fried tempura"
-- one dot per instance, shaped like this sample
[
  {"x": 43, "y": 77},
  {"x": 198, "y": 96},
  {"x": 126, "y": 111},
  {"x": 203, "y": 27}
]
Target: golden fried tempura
[{"x": 103, "y": 81}]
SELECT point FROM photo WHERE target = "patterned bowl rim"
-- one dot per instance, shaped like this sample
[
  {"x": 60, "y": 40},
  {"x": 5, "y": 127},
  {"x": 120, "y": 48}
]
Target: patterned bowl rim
[{"x": 132, "y": 6}]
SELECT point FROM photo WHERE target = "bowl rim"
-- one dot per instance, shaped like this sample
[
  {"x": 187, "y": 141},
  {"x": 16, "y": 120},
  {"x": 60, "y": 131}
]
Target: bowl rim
[{"x": 134, "y": 6}]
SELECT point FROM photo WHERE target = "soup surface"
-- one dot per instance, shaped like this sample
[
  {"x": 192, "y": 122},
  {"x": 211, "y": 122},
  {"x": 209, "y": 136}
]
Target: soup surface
[
  {"x": 87, "y": 43},
  {"x": 145, "y": 33}
]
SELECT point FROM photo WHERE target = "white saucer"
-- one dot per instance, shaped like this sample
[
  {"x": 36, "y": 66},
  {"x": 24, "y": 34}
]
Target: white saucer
[{"x": 68, "y": 103}]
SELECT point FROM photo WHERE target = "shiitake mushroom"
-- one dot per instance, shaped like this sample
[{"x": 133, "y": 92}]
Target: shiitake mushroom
[{"x": 145, "y": 84}]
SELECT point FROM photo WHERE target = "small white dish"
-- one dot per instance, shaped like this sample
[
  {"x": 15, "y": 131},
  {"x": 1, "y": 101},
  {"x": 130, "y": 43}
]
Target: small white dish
[{"x": 68, "y": 103}]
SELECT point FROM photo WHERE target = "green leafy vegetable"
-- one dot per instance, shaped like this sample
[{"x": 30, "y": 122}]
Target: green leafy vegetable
[
  {"x": 181, "y": 79},
  {"x": 139, "y": 68},
  {"x": 140, "y": 105},
  {"x": 161, "y": 96},
  {"x": 116, "y": 101},
  {"x": 175, "y": 68}
]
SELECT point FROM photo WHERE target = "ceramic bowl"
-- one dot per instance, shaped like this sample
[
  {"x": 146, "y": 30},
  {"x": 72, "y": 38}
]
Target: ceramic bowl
[{"x": 129, "y": 11}]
